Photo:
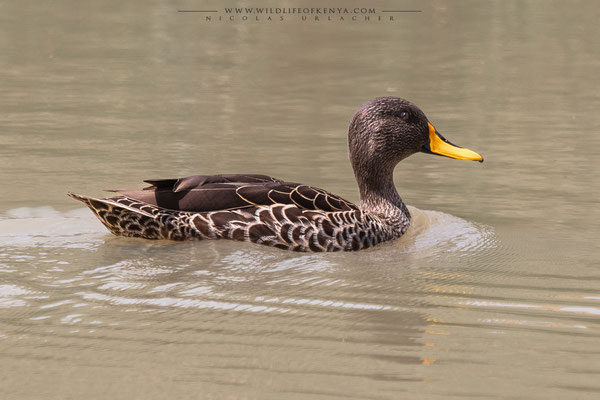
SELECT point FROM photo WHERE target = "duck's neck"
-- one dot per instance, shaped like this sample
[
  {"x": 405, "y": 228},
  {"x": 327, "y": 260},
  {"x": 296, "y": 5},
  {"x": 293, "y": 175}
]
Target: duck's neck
[{"x": 378, "y": 193}]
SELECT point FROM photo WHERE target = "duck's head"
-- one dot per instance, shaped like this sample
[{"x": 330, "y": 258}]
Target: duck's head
[{"x": 386, "y": 130}]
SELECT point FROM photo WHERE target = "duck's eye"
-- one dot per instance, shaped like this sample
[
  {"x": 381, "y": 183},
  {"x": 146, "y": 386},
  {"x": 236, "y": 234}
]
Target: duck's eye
[{"x": 404, "y": 115}]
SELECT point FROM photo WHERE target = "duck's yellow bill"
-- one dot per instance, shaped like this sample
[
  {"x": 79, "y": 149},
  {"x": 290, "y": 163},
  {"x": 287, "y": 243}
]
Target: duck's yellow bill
[{"x": 441, "y": 146}]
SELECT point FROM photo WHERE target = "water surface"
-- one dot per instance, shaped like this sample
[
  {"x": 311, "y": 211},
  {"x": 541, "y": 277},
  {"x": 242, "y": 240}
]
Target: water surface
[{"x": 493, "y": 293}]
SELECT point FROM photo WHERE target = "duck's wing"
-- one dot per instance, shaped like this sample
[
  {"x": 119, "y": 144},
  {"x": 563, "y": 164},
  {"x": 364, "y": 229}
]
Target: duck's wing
[{"x": 203, "y": 193}]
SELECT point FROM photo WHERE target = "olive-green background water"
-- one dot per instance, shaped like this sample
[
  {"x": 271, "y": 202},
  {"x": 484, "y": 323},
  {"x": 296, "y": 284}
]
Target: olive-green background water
[{"x": 493, "y": 293}]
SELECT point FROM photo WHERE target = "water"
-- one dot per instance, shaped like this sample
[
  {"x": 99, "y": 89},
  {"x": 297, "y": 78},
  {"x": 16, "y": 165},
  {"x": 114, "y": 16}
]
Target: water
[{"x": 493, "y": 293}]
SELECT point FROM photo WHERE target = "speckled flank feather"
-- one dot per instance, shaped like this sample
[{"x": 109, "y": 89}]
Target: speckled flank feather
[{"x": 285, "y": 226}]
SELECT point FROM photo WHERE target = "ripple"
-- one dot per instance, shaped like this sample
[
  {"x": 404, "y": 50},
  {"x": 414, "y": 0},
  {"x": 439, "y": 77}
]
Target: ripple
[
  {"x": 434, "y": 232},
  {"x": 182, "y": 303},
  {"x": 582, "y": 310},
  {"x": 47, "y": 227},
  {"x": 9, "y": 294}
]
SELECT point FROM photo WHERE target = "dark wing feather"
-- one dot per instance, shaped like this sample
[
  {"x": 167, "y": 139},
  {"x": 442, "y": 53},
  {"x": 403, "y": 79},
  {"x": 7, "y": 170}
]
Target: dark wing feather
[
  {"x": 196, "y": 181},
  {"x": 202, "y": 193}
]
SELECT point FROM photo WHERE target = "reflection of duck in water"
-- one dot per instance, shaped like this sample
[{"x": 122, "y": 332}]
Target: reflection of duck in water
[{"x": 265, "y": 210}]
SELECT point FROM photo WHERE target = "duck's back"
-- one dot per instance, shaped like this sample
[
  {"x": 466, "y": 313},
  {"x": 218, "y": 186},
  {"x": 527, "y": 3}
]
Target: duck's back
[{"x": 204, "y": 193}]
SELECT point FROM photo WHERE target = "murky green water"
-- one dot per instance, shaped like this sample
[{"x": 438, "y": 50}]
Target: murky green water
[{"x": 493, "y": 293}]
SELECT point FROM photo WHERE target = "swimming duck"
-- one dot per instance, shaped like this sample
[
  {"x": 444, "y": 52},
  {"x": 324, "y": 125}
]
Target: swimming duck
[{"x": 273, "y": 212}]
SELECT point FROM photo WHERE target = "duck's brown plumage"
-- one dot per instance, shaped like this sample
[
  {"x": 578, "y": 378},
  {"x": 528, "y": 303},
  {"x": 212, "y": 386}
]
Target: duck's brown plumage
[
  {"x": 266, "y": 210},
  {"x": 202, "y": 193}
]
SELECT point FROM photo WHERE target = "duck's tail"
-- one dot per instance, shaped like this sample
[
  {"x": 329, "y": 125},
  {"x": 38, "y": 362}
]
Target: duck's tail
[{"x": 124, "y": 219}]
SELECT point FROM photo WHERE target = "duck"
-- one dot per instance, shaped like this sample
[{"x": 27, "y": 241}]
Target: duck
[{"x": 287, "y": 215}]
